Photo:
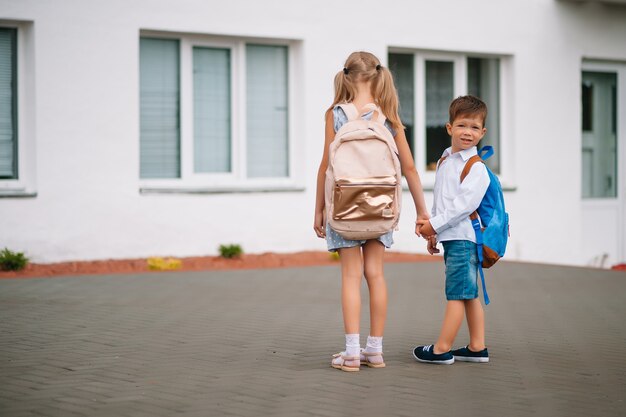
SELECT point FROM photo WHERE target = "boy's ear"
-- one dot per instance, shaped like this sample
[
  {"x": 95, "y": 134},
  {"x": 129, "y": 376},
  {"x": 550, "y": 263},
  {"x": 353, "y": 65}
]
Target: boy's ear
[{"x": 449, "y": 129}]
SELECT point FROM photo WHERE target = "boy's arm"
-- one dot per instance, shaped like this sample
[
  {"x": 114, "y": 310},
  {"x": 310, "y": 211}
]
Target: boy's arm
[{"x": 471, "y": 192}]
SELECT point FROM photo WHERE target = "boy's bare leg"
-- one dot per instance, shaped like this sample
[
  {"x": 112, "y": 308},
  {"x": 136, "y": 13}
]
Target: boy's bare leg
[
  {"x": 351, "y": 274},
  {"x": 455, "y": 310},
  {"x": 373, "y": 252},
  {"x": 476, "y": 324}
]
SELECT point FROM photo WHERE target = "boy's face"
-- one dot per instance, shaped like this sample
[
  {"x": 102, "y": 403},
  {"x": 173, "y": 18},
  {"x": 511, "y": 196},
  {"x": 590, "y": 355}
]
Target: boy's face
[{"x": 466, "y": 131}]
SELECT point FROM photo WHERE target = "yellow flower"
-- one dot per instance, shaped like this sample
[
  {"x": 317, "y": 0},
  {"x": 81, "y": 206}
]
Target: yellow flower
[{"x": 160, "y": 264}]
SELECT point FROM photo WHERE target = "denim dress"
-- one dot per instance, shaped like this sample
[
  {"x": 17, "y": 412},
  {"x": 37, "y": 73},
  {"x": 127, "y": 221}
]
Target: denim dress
[{"x": 334, "y": 240}]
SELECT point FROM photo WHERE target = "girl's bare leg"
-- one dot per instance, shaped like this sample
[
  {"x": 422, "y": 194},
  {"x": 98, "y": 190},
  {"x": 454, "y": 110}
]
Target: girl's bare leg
[
  {"x": 373, "y": 252},
  {"x": 351, "y": 275}
]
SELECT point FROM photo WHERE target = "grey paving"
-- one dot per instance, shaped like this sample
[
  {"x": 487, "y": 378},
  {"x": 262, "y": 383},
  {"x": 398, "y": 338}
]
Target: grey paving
[{"x": 258, "y": 343}]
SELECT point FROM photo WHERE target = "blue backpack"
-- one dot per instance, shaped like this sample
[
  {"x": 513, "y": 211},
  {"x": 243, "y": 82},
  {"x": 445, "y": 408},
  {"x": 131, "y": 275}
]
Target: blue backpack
[{"x": 492, "y": 230}]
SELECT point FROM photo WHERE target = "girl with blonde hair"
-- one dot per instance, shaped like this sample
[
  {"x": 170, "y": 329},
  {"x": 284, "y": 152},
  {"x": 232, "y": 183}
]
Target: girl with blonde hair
[{"x": 362, "y": 82}]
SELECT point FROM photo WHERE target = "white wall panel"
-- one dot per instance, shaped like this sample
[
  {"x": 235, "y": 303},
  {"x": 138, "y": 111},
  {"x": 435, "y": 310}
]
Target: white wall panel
[{"x": 86, "y": 78}]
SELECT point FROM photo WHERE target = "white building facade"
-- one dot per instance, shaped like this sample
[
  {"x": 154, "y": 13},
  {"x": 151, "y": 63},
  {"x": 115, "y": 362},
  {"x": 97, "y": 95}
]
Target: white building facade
[{"x": 167, "y": 128}]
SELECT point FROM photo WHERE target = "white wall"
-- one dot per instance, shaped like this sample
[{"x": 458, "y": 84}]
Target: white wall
[{"x": 86, "y": 114}]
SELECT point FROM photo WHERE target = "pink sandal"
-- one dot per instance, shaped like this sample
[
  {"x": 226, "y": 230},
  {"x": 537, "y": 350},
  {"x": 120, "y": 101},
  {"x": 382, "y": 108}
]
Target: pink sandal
[
  {"x": 345, "y": 363},
  {"x": 372, "y": 359}
]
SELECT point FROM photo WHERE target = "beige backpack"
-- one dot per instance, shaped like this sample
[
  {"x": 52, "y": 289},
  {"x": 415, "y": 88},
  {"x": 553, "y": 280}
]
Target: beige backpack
[{"x": 363, "y": 179}]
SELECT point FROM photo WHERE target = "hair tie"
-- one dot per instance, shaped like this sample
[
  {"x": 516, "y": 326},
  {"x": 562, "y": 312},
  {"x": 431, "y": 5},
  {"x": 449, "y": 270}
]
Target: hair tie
[
  {"x": 378, "y": 67},
  {"x": 346, "y": 70}
]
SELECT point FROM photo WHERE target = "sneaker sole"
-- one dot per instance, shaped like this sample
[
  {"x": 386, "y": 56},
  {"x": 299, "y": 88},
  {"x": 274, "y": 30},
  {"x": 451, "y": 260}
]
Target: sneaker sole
[
  {"x": 471, "y": 359},
  {"x": 446, "y": 362}
]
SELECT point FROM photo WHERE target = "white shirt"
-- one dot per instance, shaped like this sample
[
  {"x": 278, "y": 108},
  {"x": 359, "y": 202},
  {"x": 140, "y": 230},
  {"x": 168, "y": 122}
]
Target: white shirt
[{"x": 455, "y": 201}]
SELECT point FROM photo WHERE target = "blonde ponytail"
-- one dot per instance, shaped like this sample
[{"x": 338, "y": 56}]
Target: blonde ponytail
[
  {"x": 386, "y": 96},
  {"x": 345, "y": 91},
  {"x": 364, "y": 66}
]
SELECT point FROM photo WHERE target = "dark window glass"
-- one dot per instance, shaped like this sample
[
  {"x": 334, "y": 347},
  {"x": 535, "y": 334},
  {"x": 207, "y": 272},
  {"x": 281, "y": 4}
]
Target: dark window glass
[
  {"x": 8, "y": 104},
  {"x": 402, "y": 68}
]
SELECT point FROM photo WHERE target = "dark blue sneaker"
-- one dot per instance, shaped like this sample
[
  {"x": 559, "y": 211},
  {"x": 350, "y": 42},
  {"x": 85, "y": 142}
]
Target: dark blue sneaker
[
  {"x": 464, "y": 354},
  {"x": 426, "y": 354}
]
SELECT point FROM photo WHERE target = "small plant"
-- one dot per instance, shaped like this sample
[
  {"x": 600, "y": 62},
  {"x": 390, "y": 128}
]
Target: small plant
[
  {"x": 160, "y": 264},
  {"x": 230, "y": 251},
  {"x": 12, "y": 261}
]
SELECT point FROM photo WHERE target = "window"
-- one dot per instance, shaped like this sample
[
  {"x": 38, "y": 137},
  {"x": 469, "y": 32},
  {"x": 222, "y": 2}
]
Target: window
[
  {"x": 439, "y": 93},
  {"x": 599, "y": 131},
  {"x": 427, "y": 83},
  {"x": 214, "y": 113},
  {"x": 17, "y": 104},
  {"x": 8, "y": 104},
  {"x": 402, "y": 67},
  {"x": 212, "y": 102},
  {"x": 266, "y": 74},
  {"x": 483, "y": 80},
  {"x": 160, "y": 108}
]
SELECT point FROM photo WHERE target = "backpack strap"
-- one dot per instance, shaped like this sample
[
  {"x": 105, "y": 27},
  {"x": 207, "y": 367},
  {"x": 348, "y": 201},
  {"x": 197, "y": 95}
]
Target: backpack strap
[
  {"x": 466, "y": 169},
  {"x": 377, "y": 114},
  {"x": 479, "y": 252},
  {"x": 440, "y": 161},
  {"x": 468, "y": 165},
  {"x": 352, "y": 113},
  {"x": 474, "y": 219},
  {"x": 485, "y": 152},
  {"x": 350, "y": 110}
]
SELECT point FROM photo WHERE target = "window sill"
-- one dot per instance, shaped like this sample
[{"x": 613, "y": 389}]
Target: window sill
[
  {"x": 219, "y": 190},
  {"x": 17, "y": 194}
]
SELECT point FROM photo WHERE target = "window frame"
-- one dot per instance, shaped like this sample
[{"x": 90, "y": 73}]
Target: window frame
[
  {"x": 460, "y": 87},
  {"x": 187, "y": 116},
  {"x": 24, "y": 185},
  {"x": 236, "y": 180},
  {"x": 589, "y": 65}
]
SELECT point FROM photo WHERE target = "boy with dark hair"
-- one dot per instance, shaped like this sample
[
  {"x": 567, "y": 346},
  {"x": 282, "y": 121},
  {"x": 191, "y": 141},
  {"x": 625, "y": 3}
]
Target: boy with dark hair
[{"x": 454, "y": 201}]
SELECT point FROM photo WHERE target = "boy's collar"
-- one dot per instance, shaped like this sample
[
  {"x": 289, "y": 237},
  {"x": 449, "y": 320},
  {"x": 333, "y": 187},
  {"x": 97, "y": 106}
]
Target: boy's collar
[
  {"x": 464, "y": 154},
  {"x": 468, "y": 153}
]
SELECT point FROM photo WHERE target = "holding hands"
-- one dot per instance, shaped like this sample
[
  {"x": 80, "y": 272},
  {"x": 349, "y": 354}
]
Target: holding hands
[
  {"x": 425, "y": 229},
  {"x": 421, "y": 219}
]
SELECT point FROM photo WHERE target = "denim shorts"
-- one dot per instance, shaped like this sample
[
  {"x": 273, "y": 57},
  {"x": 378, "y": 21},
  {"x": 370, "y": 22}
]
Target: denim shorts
[
  {"x": 461, "y": 269},
  {"x": 335, "y": 241}
]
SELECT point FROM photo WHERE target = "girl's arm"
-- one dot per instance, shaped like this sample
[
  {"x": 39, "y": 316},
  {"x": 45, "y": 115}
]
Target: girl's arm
[
  {"x": 319, "y": 223},
  {"x": 412, "y": 178}
]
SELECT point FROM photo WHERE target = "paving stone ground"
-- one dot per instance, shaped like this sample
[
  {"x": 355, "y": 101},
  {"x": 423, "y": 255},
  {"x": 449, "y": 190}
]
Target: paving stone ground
[{"x": 258, "y": 343}]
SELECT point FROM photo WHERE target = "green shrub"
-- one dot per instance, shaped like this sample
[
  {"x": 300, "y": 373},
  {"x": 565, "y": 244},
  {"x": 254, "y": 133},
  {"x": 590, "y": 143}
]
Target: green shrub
[
  {"x": 12, "y": 261},
  {"x": 230, "y": 251}
]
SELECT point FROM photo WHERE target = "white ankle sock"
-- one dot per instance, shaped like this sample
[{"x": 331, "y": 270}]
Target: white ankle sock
[
  {"x": 353, "y": 347},
  {"x": 374, "y": 344}
]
